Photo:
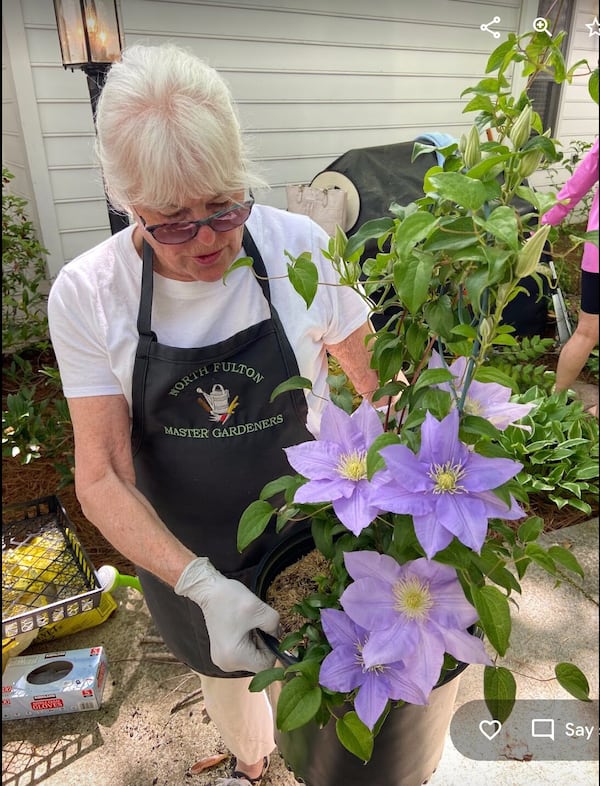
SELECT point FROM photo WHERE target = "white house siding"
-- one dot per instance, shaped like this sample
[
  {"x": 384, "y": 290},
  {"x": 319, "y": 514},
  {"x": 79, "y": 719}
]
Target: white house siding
[
  {"x": 578, "y": 113},
  {"x": 312, "y": 78}
]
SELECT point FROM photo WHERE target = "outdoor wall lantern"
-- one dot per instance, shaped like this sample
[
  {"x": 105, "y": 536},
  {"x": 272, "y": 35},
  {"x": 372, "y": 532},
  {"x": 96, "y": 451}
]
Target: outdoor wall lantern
[{"x": 91, "y": 39}]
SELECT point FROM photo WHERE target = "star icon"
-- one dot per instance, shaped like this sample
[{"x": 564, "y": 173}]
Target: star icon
[{"x": 593, "y": 27}]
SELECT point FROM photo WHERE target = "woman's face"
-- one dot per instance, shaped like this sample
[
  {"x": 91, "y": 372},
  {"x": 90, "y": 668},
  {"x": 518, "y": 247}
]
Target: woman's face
[{"x": 206, "y": 256}]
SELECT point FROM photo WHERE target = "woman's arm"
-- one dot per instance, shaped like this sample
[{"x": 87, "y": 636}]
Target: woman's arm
[
  {"x": 105, "y": 487},
  {"x": 354, "y": 356}
]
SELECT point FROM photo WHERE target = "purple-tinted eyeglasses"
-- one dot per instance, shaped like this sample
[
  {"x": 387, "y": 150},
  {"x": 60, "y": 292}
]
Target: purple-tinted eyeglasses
[{"x": 183, "y": 231}]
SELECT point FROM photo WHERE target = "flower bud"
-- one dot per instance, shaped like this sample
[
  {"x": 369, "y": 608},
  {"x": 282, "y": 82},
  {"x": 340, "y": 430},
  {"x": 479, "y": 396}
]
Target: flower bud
[
  {"x": 529, "y": 255},
  {"x": 472, "y": 151},
  {"x": 519, "y": 133},
  {"x": 485, "y": 329},
  {"x": 530, "y": 162}
]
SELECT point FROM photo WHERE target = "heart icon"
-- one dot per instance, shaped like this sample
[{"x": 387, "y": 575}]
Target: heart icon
[{"x": 490, "y": 729}]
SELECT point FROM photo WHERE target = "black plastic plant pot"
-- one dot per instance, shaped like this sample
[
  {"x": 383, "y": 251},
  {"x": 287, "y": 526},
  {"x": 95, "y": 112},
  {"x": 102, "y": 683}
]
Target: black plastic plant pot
[{"x": 410, "y": 744}]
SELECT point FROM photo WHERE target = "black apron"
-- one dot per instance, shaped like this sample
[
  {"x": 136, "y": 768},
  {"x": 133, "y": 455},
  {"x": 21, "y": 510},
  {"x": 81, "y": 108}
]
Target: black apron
[{"x": 205, "y": 441}]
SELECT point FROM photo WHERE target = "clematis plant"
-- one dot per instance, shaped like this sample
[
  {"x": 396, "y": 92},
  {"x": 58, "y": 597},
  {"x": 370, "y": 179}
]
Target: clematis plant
[{"x": 419, "y": 507}]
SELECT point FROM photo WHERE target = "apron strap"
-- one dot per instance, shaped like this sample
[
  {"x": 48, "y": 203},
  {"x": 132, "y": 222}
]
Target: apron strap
[
  {"x": 145, "y": 308},
  {"x": 259, "y": 265}
]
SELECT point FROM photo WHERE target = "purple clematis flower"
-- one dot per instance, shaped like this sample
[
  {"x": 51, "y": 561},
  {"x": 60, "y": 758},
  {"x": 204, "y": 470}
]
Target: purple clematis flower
[
  {"x": 486, "y": 399},
  {"x": 446, "y": 487},
  {"x": 416, "y": 611},
  {"x": 336, "y": 464},
  {"x": 343, "y": 670}
]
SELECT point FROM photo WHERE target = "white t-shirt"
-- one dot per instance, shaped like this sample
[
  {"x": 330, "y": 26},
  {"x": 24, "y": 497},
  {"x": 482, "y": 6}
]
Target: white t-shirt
[{"x": 93, "y": 308}]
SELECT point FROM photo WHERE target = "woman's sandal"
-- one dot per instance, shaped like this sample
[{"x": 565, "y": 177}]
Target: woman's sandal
[{"x": 238, "y": 778}]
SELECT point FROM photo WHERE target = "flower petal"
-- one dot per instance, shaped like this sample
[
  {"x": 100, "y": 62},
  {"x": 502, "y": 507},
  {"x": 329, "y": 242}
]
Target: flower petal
[
  {"x": 355, "y": 512},
  {"x": 340, "y": 630},
  {"x": 398, "y": 641},
  {"x": 483, "y": 473},
  {"x": 370, "y": 603},
  {"x": 340, "y": 670},
  {"x": 367, "y": 420},
  {"x": 404, "y": 686},
  {"x": 371, "y": 699},
  {"x": 315, "y": 460},
  {"x": 371, "y": 564},
  {"x": 465, "y": 647},
  {"x": 465, "y": 516},
  {"x": 432, "y": 536}
]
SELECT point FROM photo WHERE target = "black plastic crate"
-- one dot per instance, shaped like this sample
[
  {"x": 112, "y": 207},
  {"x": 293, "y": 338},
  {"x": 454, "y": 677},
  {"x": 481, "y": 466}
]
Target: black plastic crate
[{"x": 46, "y": 573}]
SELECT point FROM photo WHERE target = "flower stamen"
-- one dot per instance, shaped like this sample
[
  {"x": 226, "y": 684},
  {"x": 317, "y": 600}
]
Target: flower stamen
[
  {"x": 413, "y": 598},
  {"x": 353, "y": 466},
  {"x": 446, "y": 477}
]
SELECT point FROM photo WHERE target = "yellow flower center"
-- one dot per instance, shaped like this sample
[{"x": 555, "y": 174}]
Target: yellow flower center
[
  {"x": 413, "y": 598},
  {"x": 447, "y": 477},
  {"x": 353, "y": 466},
  {"x": 473, "y": 407}
]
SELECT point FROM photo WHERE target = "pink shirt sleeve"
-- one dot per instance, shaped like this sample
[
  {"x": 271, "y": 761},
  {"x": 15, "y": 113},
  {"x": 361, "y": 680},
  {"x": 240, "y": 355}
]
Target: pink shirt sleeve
[{"x": 580, "y": 182}]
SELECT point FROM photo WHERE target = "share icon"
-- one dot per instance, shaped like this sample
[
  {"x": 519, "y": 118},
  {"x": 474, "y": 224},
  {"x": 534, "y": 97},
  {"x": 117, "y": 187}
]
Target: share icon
[{"x": 485, "y": 27}]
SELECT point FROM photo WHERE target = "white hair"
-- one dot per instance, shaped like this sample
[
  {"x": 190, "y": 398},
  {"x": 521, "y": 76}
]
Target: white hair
[{"x": 168, "y": 131}]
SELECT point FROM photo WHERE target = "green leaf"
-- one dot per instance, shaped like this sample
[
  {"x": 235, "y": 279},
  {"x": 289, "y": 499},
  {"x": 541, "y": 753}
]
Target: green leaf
[
  {"x": 412, "y": 278},
  {"x": 530, "y": 529},
  {"x": 412, "y": 230},
  {"x": 539, "y": 555},
  {"x": 502, "y": 223},
  {"x": 566, "y": 558},
  {"x": 463, "y": 190},
  {"x": 278, "y": 485},
  {"x": 499, "y": 690},
  {"x": 593, "y": 85},
  {"x": 492, "y": 374},
  {"x": 264, "y": 678},
  {"x": 370, "y": 230},
  {"x": 242, "y": 262},
  {"x": 499, "y": 54},
  {"x": 293, "y": 383},
  {"x": 355, "y": 736},
  {"x": 298, "y": 703},
  {"x": 304, "y": 277},
  {"x": 573, "y": 680},
  {"x": 432, "y": 376},
  {"x": 494, "y": 615},
  {"x": 253, "y": 522},
  {"x": 374, "y": 460}
]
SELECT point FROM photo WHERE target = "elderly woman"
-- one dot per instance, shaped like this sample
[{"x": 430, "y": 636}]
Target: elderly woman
[{"x": 168, "y": 370}]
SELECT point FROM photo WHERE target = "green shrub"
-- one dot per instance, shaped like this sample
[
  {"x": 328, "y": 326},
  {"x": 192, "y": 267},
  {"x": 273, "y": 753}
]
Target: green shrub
[
  {"x": 35, "y": 415},
  {"x": 24, "y": 276}
]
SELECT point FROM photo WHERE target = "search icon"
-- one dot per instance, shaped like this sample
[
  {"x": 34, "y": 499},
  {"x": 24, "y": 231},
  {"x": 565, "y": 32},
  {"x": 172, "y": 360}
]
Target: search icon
[{"x": 540, "y": 25}]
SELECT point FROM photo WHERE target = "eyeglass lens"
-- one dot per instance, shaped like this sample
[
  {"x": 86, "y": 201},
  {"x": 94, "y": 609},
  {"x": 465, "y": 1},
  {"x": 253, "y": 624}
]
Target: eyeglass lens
[{"x": 181, "y": 231}]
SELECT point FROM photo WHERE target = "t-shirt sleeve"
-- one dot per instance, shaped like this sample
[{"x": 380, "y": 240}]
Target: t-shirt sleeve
[
  {"x": 347, "y": 310},
  {"x": 76, "y": 335}
]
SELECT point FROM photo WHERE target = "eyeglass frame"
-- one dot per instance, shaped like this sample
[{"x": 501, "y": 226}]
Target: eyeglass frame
[{"x": 247, "y": 203}]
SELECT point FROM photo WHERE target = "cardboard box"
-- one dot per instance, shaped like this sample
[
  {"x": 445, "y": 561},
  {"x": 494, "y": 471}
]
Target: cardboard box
[{"x": 53, "y": 683}]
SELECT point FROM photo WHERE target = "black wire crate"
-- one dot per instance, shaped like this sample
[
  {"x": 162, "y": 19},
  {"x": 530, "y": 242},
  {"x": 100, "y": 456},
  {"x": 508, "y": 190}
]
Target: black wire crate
[{"x": 46, "y": 573}]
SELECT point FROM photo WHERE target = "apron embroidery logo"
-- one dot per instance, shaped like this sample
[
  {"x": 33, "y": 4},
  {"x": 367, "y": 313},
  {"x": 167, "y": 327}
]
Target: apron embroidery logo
[{"x": 217, "y": 403}]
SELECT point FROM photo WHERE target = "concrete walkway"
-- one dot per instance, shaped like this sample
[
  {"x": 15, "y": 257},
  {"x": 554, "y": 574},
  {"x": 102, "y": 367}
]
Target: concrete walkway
[{"x": 142, "y": 737}]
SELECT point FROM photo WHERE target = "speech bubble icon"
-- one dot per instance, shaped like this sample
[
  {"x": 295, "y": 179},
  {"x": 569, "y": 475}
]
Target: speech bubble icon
[
  {"x": 542, "y": 727},
  {"x": 490, "y": 729}
]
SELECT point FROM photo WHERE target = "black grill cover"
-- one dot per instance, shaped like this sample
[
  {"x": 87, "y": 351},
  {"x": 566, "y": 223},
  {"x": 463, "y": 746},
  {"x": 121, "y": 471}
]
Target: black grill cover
[{"x": 385, "y": 174}]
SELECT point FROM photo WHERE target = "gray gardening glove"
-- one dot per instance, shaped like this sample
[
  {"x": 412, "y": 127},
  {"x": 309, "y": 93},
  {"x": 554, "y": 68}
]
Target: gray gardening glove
[{"x": 231, "y": 612}]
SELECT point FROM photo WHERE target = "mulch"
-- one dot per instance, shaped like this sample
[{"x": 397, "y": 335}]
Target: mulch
[{"x": 22, "y": 483}]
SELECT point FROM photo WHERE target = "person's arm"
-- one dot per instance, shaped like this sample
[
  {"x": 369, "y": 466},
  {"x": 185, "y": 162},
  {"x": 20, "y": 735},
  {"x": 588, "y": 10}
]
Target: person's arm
[
  {"x": 105, "y": 486},
  {"x": 576, "y": 187},
  {"x": 354, "y": 356}
]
